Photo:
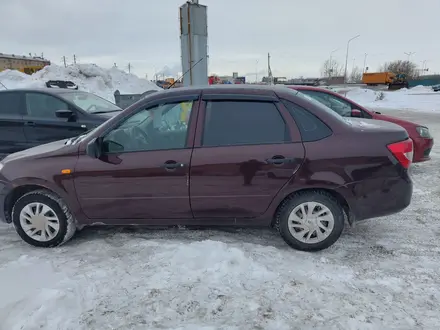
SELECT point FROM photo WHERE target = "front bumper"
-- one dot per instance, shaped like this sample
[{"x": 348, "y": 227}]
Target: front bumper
[
  {"x": 5, "y": 189},
  {"x": 422, "y": 149}
]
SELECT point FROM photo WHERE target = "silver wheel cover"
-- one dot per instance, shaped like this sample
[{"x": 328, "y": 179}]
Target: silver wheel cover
[
  {"x": 311, "y": 222},
  {"x": 39, "y": 221}
]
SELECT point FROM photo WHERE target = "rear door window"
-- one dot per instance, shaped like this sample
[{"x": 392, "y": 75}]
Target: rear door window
[
  {"x": 10, "y": 103},
  {"x": 231, "y": 123}
]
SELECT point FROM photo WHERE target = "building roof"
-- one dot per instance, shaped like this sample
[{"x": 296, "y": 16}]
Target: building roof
[{"x": 19, "y": 57}]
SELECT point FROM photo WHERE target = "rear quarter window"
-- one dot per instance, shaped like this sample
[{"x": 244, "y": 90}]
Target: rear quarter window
[{"x": 311, "y": 127}]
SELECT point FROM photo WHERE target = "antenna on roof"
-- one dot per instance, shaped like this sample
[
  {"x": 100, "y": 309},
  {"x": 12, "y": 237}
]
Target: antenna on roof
[
  {"x": 178, "y": 79},
  {"x": 3, "y": 85}
]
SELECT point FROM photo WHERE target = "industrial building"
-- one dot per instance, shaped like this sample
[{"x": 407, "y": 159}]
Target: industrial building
[{"x": 25, "y": 64}]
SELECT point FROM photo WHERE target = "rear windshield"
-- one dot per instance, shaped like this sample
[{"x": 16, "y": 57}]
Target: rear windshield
[{"x": 318, "y": 104}]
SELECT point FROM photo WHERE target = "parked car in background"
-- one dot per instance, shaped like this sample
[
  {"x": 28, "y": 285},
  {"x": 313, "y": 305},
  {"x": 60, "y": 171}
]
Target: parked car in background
[
  {"x": 422, "y": 138},
  {"x": 241, "y": 156},
  {"x": 30, "y": 117}
]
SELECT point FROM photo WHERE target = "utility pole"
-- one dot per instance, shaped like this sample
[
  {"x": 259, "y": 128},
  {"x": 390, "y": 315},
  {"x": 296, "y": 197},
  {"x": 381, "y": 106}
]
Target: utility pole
[
  {"x": 424, "y": 68},
  {"x": 269, "y": 71},
  {"x": 409, "y": 54},
  {"x": 346, "y": 57},
  {"x": 64, "y": 61},
  {"x": 74, "y": 59},
  {"x": 129, "y": 67},
  {"x": 331, "y": 62},
  {"x": 256, "y": 72},
  {"x": 365, "y": 62}
]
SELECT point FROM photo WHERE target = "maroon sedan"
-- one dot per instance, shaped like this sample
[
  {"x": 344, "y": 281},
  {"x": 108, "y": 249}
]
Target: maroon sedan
[
  {"x": 422, "y": 139},
  {"x": 242, "y": 156}
]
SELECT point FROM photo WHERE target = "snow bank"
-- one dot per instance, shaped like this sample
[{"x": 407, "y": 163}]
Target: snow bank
[
  {"x": 417, "y": 90},
  {"x": 419, "y": 98},
  {"x": 89, "y": 77}
]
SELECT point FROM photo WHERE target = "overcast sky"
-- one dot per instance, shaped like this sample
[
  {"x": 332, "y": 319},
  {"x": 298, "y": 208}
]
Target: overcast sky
[{"x": 300, "y": 35}]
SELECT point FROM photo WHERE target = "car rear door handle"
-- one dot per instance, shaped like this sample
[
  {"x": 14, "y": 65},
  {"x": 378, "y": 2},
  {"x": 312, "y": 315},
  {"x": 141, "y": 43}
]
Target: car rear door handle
[
  {"x": 279, "y": 160},
  {"x": 172, "y": 165},
  {"x": 29, "y": 123}
]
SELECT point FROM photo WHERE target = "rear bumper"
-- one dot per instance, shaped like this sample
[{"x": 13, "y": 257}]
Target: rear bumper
[
  {"x": 380, "y": 197},
  {"x": 422, "y": 149}
]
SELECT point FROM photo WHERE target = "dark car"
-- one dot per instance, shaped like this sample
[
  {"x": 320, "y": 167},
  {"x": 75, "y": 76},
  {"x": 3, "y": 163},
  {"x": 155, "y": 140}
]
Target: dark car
[
  {"x": 30, "y": 117},
  {"x": 213, "y": 156},
  {"x": 422, "y": 138}
]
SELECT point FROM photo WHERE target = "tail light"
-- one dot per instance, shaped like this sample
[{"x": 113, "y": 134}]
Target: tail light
[{"x": 403, "y": 151}]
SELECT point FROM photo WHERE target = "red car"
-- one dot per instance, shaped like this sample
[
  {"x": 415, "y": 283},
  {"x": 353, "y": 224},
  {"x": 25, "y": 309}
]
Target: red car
[{"x": 422, "y": 139}]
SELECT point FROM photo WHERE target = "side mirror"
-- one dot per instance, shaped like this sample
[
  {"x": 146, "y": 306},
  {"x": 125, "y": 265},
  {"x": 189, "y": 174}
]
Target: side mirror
[
  {"x": 67, "y": 114},
  {"x": 356, "y": 113},
  {"x": 94, "y": 149},
  {"x": 112, "y": 146}
]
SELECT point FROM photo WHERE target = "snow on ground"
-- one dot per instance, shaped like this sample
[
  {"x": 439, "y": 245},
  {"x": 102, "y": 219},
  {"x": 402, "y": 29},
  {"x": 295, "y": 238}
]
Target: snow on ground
[
  {"x": 382, "y": 274},
  {"x": 88, "y": 77},
  {"x": 419, "y": 98}
]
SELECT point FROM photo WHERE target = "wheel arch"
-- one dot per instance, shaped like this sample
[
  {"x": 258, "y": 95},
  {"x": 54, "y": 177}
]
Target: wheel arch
[
  {"x": 16, "y": 193},
  {"x": 338, "y": 196}
]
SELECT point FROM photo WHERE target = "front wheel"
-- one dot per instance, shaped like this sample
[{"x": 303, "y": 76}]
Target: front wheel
[
  {"x": 311, "y": 221},
  {"x": 42, "y": 219}
]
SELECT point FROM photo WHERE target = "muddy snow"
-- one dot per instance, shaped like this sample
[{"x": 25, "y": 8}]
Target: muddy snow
[{"x": 382, "y": 274}]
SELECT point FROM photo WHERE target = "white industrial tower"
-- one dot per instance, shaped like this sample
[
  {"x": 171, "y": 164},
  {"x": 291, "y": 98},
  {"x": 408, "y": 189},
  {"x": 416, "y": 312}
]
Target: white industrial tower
[{"x": 194, "y": 43}]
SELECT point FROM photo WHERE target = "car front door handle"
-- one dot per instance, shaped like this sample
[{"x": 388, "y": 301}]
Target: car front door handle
[
  {"x": 29, "y": 123},
  {"x": 172, "y": 165}
]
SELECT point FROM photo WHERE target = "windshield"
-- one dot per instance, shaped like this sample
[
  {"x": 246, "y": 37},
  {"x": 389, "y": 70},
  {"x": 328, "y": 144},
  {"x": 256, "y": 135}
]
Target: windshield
[{"x": 90, "y": 103}]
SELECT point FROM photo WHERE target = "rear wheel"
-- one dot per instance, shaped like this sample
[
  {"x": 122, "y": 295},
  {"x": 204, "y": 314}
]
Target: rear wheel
[
  {"x": 42, "y": 219},
  {"x": 311, "y": 221}
]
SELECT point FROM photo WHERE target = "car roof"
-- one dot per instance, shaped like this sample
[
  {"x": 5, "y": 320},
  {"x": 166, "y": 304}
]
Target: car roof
[
  {"x": 222, "y": 89},
  {"x": 44, "y": 90},
  {"x": 306, "y": 87}
]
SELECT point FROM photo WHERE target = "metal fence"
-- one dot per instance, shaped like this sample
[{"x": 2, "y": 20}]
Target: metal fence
[{"x": 424, "y": 81}]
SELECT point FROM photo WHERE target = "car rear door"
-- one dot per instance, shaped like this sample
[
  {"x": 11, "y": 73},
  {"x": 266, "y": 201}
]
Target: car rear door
[
  {"x": 41, "y": 123},
  {"x": 12, "y": 137},
  {"x": 247, "y": 148}
]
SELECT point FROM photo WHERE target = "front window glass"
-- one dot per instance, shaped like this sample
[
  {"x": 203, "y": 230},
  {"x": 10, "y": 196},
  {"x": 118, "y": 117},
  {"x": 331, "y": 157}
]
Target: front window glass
[
  {"x": 90, "y": 103},
  {"x": 162, "y": 127},
  {"x": 44, "y": 105}
]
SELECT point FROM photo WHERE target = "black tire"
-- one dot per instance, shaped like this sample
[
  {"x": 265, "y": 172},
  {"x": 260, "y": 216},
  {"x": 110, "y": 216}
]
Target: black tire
[
  {"x": 322, "y": 197},
  {"x": 67, "y": 227}
]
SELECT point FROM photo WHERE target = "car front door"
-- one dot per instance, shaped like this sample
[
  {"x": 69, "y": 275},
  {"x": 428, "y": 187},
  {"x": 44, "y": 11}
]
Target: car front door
[
  {"x": 143, "y": 173},
  {"x": 245, "y": 151},
  {"x": 12, "y": 138},
  {"x": 41, "y": 123}
]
